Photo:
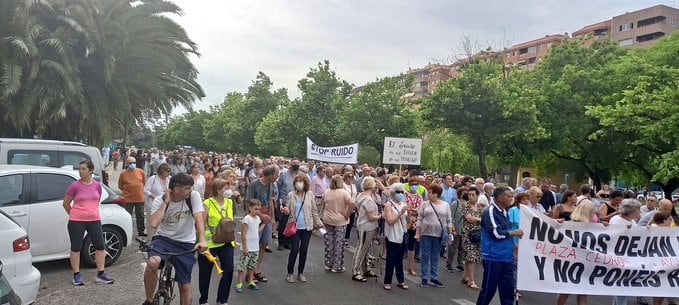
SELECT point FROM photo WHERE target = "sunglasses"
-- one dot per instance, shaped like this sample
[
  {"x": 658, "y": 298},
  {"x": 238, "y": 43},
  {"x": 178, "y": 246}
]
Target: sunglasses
[{"x": 399, "y": 192}]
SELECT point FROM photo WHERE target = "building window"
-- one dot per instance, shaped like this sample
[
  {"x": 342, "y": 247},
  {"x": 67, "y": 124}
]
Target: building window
[
  {"x": 652, "y": 20},
  {"x": 626, "y": 42},
  {"x": 673, "y": 22},
  {"x": 533, "y": 49},
  {"x": 626, "y": 26},
  {"x": 523, "y": 51}
]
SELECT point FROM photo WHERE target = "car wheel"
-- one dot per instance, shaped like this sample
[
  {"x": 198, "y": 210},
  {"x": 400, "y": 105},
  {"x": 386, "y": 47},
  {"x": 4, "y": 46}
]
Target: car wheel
[{"x": 113, "y": 241}]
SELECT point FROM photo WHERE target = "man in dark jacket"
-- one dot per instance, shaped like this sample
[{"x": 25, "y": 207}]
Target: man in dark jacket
[{"x": 497, "y": 249}]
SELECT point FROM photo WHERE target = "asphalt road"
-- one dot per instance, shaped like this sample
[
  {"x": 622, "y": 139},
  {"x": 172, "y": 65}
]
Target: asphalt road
[{"x": 322, "y": 287}]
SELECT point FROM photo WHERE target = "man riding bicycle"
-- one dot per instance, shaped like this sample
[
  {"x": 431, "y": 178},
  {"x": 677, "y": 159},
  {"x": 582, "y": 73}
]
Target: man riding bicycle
[{"x": 177, "y": 224}]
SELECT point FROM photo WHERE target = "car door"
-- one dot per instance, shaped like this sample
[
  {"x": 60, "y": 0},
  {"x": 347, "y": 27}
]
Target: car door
[
  {"x": 48, "y": 229},
  {"x": 14, "y": 198}
]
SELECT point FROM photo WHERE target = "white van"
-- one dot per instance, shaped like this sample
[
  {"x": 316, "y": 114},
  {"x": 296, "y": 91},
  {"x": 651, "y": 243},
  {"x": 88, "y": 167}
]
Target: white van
[{"x": 51, "y": 153}]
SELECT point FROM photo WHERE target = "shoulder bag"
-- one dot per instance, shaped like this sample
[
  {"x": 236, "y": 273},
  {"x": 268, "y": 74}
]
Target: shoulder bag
[
  {"x": 444, "y": 230},
  {"x": 291, "y": 227},
  {"x": 225, "y": 232}
]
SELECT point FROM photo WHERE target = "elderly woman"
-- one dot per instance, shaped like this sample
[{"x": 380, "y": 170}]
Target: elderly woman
[
  {"x": 628, "y": 212},
  {"x": 156, "y": 186},
  {"x": 471, "y": 212},
  {"x": 199, "y": 181},
  {"x": 434, "y": 223},
  {"x": 304, "y": 213},
  {"x": 534, "y": 196},
  {"x": 366, "y": 225},
  {"x": 395, "y": 216},
  {"x": 338, "y": 208}
]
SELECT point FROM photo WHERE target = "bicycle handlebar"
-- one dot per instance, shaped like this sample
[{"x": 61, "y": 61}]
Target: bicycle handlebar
[{"x": 144, "y": 246}]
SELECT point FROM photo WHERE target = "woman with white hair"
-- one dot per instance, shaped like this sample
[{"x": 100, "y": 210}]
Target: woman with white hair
[
  {"x": 366, "y": 225},
  {"x": 395, "y": 215},
  {"x": 628, "y": 213}
]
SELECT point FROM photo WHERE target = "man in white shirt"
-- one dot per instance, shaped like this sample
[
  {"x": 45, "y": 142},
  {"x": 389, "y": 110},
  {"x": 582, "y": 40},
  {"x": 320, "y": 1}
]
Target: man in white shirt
[{"x": 177, "y": 226}]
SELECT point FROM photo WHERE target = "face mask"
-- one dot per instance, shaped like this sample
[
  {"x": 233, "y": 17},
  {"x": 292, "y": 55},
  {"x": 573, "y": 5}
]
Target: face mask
[
  {"x": 401, "y": 197},
  {"x": 228, "y": 193},
  {"x": 132, "y": 166},
  {"x": 414, "y": 188},
  {"x": 299, "y": 185},
  {"x": 294, "y": 167}
]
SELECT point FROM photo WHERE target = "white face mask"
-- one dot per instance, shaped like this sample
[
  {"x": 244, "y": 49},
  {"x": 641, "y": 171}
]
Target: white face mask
[
  {"x": 299, "y": 185},
  {"x": 228, "y": 193}
]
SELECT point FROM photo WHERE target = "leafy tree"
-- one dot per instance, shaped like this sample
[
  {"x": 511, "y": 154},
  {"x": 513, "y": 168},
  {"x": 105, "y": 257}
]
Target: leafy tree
[
  {"x": 237, "y": 119},
  {"x": 567, "y": 81},
  {"x": 78, "y": 69},
  {"x": 314, "y": 115},
  {"x": 183, "y": 130},
  {"x": 642, "y": 117},
  {"x": 376, "y": 111},
  {"x": 479, "y": 106},
  {"x": 446, "y": 152}
]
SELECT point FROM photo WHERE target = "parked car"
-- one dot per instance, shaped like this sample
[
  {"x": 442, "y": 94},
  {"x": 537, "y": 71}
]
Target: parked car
[
  {"x": 51, "y": 153},
  {"x": 18, "y": 276},
  {"x": 7, "y": 294},
  {"x": 34, "y": 195}
]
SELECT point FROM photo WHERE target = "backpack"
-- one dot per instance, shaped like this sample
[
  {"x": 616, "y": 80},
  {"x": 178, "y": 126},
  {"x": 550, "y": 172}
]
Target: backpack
[{"x": 225, "y": 232}]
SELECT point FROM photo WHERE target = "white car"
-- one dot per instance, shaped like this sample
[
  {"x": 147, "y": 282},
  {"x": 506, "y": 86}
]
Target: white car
[
  {"x": 15, "y": 258},
  {"x": 33, "y": 196}
]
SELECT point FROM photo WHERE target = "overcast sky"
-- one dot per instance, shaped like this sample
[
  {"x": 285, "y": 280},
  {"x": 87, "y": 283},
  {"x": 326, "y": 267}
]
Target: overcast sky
[{"x": 364, "y": 40}]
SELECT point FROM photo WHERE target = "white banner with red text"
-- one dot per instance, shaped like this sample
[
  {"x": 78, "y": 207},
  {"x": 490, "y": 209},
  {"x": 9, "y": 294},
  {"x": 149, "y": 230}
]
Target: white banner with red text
[
  {"x": 590, "y": 258},
  {"x": 347, "y": 154}
]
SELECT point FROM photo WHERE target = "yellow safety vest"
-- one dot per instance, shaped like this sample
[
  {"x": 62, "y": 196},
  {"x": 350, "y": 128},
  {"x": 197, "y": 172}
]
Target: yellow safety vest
[{"x": 214, "y": 215}]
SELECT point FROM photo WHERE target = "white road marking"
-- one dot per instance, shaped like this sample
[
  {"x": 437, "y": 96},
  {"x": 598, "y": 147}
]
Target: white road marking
[{"x": 463, "y": 302}]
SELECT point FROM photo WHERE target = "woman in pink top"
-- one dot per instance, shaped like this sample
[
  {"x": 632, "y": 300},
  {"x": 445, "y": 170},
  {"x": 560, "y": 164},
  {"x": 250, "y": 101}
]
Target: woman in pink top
[{"x": 83, "y": 215}]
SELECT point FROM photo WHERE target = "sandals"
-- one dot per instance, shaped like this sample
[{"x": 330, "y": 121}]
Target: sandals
[
  {"x": 359, "y": 278},
  {"x": 473, "y": 285},
  {"x": 387, "y": 287},
  {"x": 370, "y": 273},
  {"x": 402, "y": 286},
  {"x": 464, "y": 280},
  {"x": 412, "y": 272},
  {"x": 260, "y": 277}
]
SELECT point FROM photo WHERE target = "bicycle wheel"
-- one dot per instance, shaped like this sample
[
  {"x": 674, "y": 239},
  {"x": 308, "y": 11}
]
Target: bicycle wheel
[
  {"x": 160, "y": 298},
  {"x": 169, "y": 284}
]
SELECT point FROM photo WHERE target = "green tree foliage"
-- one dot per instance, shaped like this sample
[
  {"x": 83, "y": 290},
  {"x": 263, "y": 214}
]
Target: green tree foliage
[
  {"x": 643, "y": 116},
  {"x": 446, "y": 152},
  {"x": 480, "y": 106},
  {"x": 567, "y": 81},
  {"x": 235, "y": 123},
  {"x": 314, "y": 115},
  {"x": 377, "y": 110},
  {"x": 77, "y": 69},
  {"x": 185, "y": 130}
]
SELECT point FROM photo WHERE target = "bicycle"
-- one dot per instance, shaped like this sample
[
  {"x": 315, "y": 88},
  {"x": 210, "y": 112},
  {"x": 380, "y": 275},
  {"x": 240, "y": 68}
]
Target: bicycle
[{"x": 165, "y": 292}]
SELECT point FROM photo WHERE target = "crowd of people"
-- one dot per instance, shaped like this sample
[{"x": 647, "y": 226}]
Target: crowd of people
[{"x": 413, "y": 217}]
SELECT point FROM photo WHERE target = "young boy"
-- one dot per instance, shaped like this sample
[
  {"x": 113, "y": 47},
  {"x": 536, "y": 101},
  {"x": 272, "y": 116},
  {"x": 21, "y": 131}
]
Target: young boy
[{"x": 251, "y": 227}]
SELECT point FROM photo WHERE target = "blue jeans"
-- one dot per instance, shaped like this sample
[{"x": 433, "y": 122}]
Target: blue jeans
[{"x": 430, "y": 247}]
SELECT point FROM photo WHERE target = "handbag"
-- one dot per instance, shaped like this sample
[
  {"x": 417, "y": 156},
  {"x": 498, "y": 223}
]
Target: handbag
[
  {"x": 225, "y": 232},
  {"x": 475, "y": 236},
  {"x": 444, "y": 231},
  {"x": 291, "y": 227}
]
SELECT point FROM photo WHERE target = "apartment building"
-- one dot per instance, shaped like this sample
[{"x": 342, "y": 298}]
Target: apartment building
[
  {"x": 427, "y": 78},
  {"x": 528, "y": 54},
  {"x": 593, "y": 32},
  {"x": 644, "y": 27}
]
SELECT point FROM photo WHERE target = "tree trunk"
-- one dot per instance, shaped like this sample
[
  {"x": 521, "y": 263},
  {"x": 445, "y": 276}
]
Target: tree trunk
[{"x": 481, "y": 152}]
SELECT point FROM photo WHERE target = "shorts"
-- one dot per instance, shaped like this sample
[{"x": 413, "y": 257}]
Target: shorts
[
  {"x": 265, "y": 235},
  {"x": 76, "y": 232},
  {"x": 248, "y": 262},
  {"x": 183, "y": 264}
]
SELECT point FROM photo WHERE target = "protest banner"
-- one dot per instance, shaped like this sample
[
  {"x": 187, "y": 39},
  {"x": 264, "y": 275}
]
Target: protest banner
[
  {"x": 590, "y": 258},
  {"x": 347, "y": 154},
  {"x": 404, "y": 151}
]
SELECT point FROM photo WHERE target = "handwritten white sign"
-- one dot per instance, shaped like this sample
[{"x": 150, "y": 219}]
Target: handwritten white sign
[{"x": 402, "y": 151}]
